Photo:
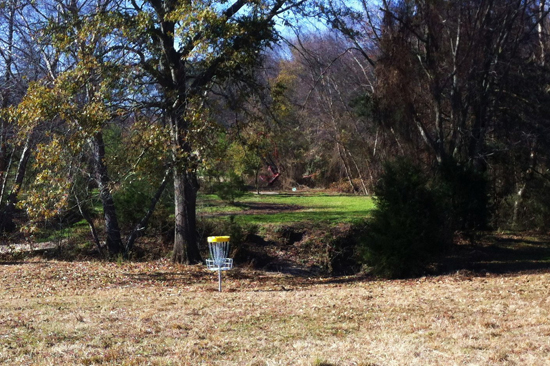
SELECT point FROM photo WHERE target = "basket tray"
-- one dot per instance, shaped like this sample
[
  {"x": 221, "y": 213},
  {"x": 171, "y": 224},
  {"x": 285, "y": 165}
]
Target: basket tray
[{"x": 216, "y": 265}]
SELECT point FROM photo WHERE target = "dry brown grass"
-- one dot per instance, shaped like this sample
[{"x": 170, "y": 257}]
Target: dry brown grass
[{"x": 60, "y": 313}]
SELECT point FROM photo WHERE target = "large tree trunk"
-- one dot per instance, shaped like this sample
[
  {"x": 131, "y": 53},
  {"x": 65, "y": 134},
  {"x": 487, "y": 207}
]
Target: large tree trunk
[
  {"x": 179, "y": 252},
  {"x": 186, "y": 249},
  {"x": 186, "y": 187},
  {"x": 112, "y": 229}
]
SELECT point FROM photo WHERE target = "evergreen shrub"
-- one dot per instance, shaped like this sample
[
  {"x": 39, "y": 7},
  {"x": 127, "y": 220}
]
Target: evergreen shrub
[
  {"x": 231, "y": 188},
  {"x": 407, "y": 229}
]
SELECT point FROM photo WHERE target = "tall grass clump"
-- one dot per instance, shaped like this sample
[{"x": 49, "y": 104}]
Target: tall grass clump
[{"x": 407, "y": 230}]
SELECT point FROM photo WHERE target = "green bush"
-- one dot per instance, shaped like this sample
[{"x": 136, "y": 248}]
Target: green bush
[
  {"x": 407, "y": 230},
  {"x": 133, "y": 201},
  {"x": 231, "y": 188}
]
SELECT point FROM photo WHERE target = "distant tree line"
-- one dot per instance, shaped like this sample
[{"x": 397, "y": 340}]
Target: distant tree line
[{"x": 459, "y": 88}]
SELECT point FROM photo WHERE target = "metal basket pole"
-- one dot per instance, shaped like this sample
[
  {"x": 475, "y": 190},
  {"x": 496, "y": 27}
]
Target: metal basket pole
[{"x": 219, "y": 279}]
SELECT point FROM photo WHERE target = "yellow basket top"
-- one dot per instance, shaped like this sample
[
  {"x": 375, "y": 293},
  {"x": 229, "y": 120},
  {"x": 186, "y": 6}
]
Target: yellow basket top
[{"x": 218, "y": 239}]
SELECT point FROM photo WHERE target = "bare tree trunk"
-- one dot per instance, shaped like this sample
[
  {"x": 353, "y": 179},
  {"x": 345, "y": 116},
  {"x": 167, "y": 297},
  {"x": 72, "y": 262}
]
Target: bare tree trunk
[
  {"x": 5, "y": 175},
  {"x": 521, "y": 191},
  {"x": 365, "y": 190},
  {"x": 5, "y": 156},
  {"x": 186, "y": 187},
  {"x": 9, "y": 210},
  {"x": 186, "y": 249},
  {"x": 346, "y": 168},
  {"x": 112, "y": 229},
  {"x": 90, "y": 222},
  {"x": 21, "y": 170},
  {"x": 179, "y": 252},
  {"x": 540, "y": 30},
  {"x": 517, "y": 204}
]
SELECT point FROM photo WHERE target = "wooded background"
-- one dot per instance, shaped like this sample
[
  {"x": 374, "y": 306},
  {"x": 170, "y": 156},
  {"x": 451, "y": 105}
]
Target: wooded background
[{"x": 105, "y": 104}]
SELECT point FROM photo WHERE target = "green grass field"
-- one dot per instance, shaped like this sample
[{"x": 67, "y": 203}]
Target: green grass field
[{"x": 289, "y": 208}]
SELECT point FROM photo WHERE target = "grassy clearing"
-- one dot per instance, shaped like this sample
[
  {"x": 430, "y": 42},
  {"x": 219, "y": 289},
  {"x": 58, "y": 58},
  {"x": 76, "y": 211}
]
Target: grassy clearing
[
  {"x": 159, "y": 314},
  {"x": 290, "y": 208}
]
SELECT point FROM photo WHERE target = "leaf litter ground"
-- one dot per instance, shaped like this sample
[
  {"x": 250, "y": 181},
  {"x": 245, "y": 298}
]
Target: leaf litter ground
[{"x": 157, "y": 313}]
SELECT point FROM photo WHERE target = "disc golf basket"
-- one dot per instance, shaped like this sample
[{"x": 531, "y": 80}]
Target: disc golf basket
[{"x": 219, "y": 250}]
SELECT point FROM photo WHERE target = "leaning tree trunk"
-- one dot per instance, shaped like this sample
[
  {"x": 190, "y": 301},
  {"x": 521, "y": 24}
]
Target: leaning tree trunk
[
  {"x": 112, "y": 229},
  {"x": 91, "y": 224},
  {"x": 528, "y": 174},
  {"x": 142, "y": 225},
  {"x": 6, "y": 222},
  {"x": 346, "y": 169}
]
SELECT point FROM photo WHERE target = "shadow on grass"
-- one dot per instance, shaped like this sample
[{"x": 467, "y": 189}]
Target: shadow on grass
[
  {"x": 320, "y": 215},
  {"x": 493, "y": 254},
  {"x": 171, "y": 278},
  {"x": 237, "y": 280},
  {"x": 13, "y": 263},
  {"x": 500, "y": 254}
]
